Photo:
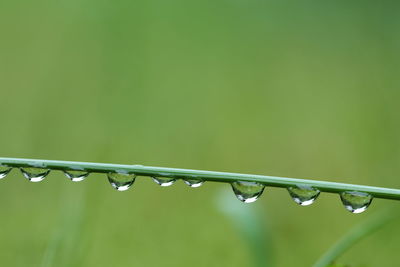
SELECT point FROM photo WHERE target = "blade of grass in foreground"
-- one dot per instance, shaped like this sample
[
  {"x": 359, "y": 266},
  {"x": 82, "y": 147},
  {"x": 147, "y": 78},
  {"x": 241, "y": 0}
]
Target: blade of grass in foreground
[{"x": 323, "y": 186}]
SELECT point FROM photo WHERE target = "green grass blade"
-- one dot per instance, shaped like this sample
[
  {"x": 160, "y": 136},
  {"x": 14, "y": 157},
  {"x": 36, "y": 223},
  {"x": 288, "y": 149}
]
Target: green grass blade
[{"x": 273, "y": 181}]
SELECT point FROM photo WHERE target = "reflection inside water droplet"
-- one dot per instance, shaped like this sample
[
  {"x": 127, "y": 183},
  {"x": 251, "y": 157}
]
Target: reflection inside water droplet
[
  {"x": 34, "y": 174},
  {"x": 194, "y": 182},
  {"x": 4, "y": 171},
  {"x": 303, "y": 195},
  {"x": 76, "y": 176},
  {"x": 356, "y": 202},
  {"x": 164, "y": 181},
  {"x": 121, "y": 181},
  {"x": 247, "y": 191}
]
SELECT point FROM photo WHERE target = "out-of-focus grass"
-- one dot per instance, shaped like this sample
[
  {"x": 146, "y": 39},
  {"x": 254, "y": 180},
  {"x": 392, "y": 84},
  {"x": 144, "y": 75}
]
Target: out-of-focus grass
[
  {"x": 360, "y": 231},
  {"x": 251, "y": 226},
  {"x": 298, "y": 89},
  {"x": 67, "y": 243}
]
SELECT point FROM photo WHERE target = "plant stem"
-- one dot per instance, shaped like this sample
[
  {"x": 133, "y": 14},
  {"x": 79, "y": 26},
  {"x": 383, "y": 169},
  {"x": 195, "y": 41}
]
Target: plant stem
[{"x": 323, "y": 186}]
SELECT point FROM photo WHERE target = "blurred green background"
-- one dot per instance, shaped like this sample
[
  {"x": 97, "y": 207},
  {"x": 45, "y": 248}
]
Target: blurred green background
[{"x": 305, "y": 89}]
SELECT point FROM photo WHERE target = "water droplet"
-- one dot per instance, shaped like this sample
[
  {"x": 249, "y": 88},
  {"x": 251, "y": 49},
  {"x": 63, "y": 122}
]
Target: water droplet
[
  {"x": 121, "y": 181},
  {"x": 4, "y": 171},
  {"x": 34, "y": 174},
  {"x": 303, "y": 195},
  {"x": 194, "y": 182},
  {"x": 356, "y": 202},
  {"x": 247, "y": 191},
  {"x": 164, "y": 181},
  {"x": 76, "y": 176}
]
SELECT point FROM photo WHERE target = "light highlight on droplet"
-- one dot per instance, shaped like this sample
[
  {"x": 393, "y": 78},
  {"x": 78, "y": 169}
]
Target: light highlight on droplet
[
  {"x": 164, "y": 181},
  {"x": 194, "y": 182},
  {"x": 121, "y": 181},
  {"x": 247, "y": 192},
  {"x": 4, "y": 171},
  {"x": 303, "y": 195},
  {"x": 76, "y": 176},
  {"x": 356, "y": 202},
  {"x": 34, "y": 174}
]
